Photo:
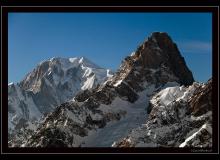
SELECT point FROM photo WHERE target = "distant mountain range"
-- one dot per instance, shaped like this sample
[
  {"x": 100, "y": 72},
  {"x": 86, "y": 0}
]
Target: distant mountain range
[{"x": 151, "y": 101}]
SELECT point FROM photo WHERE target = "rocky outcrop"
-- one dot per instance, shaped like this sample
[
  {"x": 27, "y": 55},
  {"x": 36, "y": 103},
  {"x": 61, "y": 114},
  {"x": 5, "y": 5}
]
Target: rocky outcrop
[
  {"x": 201, "y": 101},
  {"x": 179, "y": 117},
  {"x": 160, "y": 50}
]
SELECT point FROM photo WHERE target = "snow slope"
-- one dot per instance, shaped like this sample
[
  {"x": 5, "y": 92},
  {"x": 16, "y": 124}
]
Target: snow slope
[{"x": 135, "y": 115}]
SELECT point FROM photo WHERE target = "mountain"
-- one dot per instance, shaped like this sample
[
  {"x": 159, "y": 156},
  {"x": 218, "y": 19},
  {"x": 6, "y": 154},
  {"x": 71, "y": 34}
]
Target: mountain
[
  {"x": 103, "y": 115},
  {"x": 178, "y": 117},
  {"x": 50, "y": 84}
]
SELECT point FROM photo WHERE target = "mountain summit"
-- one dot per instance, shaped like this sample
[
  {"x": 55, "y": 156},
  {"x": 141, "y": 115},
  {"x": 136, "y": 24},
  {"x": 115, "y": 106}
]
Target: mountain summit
[
  {"x": 156, "y": 60},
  {"x": 160, "y": 50}
]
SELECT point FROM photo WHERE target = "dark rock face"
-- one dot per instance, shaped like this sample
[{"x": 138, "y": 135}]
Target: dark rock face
[
  {"x": 201, "y": 102},
  {"x": 57, "y": 138},
  {"x": 125, "y": 91},
  {"x": 83, "y": 95},
  {"x": 159, "y": 50}
]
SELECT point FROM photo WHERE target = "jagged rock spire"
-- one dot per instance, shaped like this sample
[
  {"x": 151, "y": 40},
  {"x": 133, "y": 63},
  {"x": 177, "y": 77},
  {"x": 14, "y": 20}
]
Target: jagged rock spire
[{"x": 158, "y": 50}]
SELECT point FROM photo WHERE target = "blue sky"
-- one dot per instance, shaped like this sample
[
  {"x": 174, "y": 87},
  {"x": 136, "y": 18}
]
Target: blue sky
[{"x": 104, "y": 38}]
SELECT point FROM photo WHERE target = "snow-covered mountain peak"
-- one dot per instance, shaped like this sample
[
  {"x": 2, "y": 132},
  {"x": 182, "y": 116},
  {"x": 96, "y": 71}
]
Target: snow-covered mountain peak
[
  {"x": 58, "y": 70},
  {"x": 52, "y": 82},
  {"x": 74, "y": 61}
]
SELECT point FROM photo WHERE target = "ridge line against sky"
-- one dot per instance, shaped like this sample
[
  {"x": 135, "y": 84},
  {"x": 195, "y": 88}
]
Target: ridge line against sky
[{"x": 104, "y": 38}]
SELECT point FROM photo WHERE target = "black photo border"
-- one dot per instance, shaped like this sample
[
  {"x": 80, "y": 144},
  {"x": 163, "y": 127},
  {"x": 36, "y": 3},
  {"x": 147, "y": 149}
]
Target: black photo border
[{"x": 214, "y": 10}]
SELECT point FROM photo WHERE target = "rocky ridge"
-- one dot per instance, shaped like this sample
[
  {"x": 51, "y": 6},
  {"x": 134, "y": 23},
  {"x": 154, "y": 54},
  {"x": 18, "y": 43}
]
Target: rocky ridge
[{"x": 178, "y": 117}]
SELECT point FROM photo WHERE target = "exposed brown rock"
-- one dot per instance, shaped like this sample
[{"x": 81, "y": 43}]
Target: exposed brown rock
[
  {"x": 201, "y": 102},
  {"x": 160, "y": 49},
  {"x": 156, "y": 61}
]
